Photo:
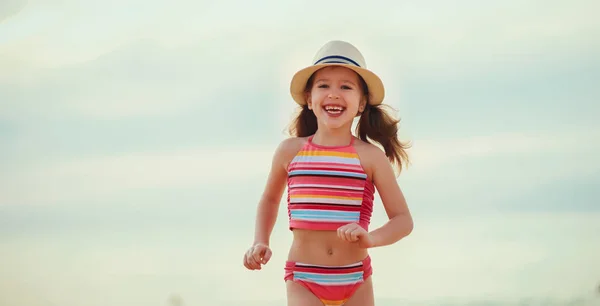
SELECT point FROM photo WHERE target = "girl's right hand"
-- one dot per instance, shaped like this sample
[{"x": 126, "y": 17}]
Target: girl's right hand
[{"x": 259, "y": 254}]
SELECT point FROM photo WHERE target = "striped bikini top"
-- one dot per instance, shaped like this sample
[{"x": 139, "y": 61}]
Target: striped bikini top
[{"x": 327, "y": 188}]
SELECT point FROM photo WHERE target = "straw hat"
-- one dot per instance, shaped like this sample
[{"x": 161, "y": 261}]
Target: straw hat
[{"x": 338, "y": 53}]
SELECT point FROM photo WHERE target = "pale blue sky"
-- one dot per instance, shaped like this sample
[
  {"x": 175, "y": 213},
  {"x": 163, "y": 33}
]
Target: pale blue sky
[{"x": 116, "y": 187}]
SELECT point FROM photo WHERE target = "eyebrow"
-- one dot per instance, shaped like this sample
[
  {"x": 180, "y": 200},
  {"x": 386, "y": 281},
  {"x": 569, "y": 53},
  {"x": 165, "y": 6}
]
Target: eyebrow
[{"x": 343, "y": 81}]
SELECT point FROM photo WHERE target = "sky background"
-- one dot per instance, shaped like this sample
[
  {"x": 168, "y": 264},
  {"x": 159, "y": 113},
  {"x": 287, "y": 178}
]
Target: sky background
[{"x": 136, "y": 136}]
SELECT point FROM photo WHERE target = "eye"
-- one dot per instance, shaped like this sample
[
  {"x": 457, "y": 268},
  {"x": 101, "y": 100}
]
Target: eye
[
  {"x": 346, "y": 87},
  {"x": 323, "y": 86}
]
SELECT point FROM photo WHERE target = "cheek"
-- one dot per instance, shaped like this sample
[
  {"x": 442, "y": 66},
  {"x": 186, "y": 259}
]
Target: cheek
[
  {"x": 317, "y": 99},
  {"x": 314, "y": 96},
  {"x": 353, "y": 101}
]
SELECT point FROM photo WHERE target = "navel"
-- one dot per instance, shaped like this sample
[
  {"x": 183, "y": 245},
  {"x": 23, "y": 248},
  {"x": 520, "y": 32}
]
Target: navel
[{"x": 330, "y": 251}]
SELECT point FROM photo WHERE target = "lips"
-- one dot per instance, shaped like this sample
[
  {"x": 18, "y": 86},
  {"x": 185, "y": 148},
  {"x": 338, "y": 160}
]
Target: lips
[{"x": 334, "y": 110}]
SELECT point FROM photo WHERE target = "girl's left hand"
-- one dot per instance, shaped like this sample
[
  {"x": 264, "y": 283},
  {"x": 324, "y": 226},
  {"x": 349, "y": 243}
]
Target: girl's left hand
[{"x": 355, "y": 233}]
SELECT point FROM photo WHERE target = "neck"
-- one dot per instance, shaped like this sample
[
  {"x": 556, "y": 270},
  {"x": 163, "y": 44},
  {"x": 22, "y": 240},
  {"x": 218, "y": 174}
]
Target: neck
[{"x": 333, "y": 138}]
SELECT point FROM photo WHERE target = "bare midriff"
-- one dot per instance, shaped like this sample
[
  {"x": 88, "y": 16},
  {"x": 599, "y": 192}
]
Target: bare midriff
[{"x": 324, "y": 248}]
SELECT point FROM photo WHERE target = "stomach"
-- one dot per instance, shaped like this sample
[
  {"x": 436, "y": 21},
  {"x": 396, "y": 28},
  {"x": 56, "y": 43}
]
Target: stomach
[{"x": 323, "y": 248}]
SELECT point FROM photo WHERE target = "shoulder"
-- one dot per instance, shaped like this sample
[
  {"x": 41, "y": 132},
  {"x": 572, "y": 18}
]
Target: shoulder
[
  {"x": 371, "y": 156},
  {"x": 287, "y": 149},
  {"x": 291, "y": 145},
  {"x": 369, "y": 151}
]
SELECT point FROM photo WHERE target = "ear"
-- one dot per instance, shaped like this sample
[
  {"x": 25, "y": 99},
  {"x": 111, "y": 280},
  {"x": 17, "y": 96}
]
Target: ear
[
  {"x": 308, "y": 101},
  {"x": 362, "y": 105}
]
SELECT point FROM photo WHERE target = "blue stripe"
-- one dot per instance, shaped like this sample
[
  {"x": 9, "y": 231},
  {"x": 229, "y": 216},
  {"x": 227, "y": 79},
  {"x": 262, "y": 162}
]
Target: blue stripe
[
  {"x": 323, "y": 172},
  {"x": 331, "y": 277},
  {"x": 355, "y": 276},
  {"x": 314, "y": 212},
  {"x": 316, "y": 216},
  {"x": 321, "y": 218},
  {"x": 334, "y": 62},
  {"x": 338, "y": 57},
  {"x": 324, "y": 217},
  {"x": 332, "y": 282}
]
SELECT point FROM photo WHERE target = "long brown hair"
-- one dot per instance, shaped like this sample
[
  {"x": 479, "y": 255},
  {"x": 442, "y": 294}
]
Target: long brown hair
[{"x": 375, "y": 123}]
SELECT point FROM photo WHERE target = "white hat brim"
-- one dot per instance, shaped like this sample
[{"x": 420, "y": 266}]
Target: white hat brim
[{"x": 300, "y": 78}]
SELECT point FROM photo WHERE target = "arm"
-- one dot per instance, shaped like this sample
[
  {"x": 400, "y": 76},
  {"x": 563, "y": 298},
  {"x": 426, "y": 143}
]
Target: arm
[
  {"x": 400, "y": 222},
  {"x": 268, "y": 206}
]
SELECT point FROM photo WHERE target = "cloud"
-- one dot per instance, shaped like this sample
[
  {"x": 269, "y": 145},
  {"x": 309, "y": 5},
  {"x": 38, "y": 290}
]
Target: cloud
[
  {"x": 138, "y": 79},
  {"x": 433, "y": 154},
  {"x": 10, "y": 8},
  {"x": 511, "y": 172},
  {"x": 100, "y": 176},
  {"x": 478, "y": 255},
  {"x": 476, "y": 32},
  {"x": 108, "y": 115},
  {"x": 149, "y": 72},
  {"x": 422, "y": 32},
  {"x": 501, "y": 249},
  {"x": 577, "y": 192},
  {"x": 452, "y": 166},
  {"x": 144, "y": 92}
]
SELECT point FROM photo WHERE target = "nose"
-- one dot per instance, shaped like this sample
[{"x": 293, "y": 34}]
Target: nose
[{"x": 333, "y": 96}]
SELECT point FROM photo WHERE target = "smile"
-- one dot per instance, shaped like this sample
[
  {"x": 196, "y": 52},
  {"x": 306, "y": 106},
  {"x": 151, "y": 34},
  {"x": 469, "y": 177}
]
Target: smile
[{"x": 334, "y": 109}]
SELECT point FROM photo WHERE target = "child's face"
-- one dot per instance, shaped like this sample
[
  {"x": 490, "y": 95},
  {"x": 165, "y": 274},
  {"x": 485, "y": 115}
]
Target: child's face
[{"x": 336, "y": 96}]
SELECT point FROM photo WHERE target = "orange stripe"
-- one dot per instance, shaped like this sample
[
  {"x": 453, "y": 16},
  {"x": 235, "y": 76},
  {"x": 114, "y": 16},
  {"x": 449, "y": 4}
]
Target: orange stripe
[
  {"x": 333, "y": 303},
  {"x": 327, "y": 153}
]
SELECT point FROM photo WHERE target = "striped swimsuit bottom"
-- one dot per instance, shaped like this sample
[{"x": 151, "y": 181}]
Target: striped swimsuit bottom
[{"x": 333, "y": 285}]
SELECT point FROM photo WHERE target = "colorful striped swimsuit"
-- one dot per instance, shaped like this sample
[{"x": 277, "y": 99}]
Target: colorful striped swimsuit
[
  {"x": 328, "y": 188},
  {"x": 333, "y": 285}
]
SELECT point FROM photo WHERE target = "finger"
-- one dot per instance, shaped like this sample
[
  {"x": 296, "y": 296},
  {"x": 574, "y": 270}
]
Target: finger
[
  {"x": 355, "y": 234},
  {"x": 253, "y": 263},
  {"x": 257, "y": 254},
  {"x": 267, "y": 256},
  {"x": 341, "y": 232},
  {"x": 348, "y": 234},
  {"x": 249, "y": 265},
  {"x": 247, "y": 262},
  {"x": 349, "y": 228}
]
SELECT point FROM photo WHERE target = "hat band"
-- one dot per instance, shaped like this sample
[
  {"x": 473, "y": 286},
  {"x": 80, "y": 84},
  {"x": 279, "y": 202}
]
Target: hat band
[{"x": 337, "y": 59}]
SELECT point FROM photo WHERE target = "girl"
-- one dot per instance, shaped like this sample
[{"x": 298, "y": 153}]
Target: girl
[{"x": 331, "y": 178}]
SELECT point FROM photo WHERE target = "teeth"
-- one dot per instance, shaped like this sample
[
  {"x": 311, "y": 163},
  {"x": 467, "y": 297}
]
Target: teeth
[{"x": 331, "y": 107}]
